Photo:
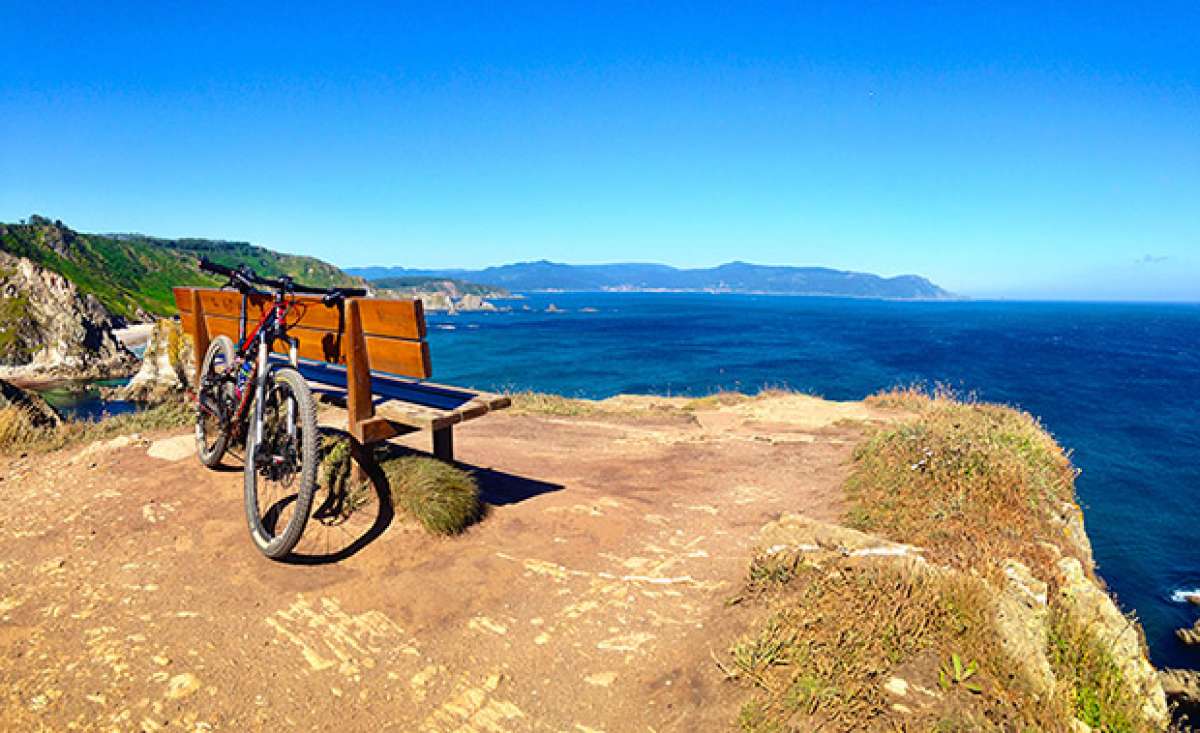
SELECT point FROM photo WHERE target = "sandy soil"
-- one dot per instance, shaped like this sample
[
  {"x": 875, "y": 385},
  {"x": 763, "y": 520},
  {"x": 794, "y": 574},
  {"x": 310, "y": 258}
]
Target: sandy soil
[{"x": 590, "y": 599}]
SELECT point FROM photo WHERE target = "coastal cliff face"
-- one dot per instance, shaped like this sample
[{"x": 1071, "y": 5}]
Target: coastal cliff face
[{"x": 48, "y": 329}]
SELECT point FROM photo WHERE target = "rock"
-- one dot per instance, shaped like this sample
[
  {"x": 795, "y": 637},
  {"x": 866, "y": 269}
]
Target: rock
[
  {"x": 795, "y": 532},
  {"x": 1094, "y": 609},
  {"x": 41, "y": 414},
  {"x": 1182, "y": 685},
  {"x": 437, "y": 302},
  {"x": 474, "y": 303},
  {"x": 182, "y": 685},
  {"x": 48, "y": 329},
  {"x": 1022, "y": 618},
  {"x": 1070, "y": 516},
  {"x": 445, "y": 301},
  {"x": 1193, "y": 598},
  {"x": 167, "y": 365},
  {"x": 175, "y": 448},
  {"x": 1189, "y": 636}
]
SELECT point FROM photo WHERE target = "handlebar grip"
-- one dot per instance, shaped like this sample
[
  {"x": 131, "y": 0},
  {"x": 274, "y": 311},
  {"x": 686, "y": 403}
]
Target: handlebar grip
[{"x": 353, "y": 292}]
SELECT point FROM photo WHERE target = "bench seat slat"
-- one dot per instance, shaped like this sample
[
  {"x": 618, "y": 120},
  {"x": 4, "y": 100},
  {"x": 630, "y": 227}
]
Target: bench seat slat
[{"x": 416, "y": 404}]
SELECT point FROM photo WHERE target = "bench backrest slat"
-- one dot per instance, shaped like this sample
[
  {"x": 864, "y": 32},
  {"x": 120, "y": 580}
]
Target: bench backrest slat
[{"x": 393, "y": 330}]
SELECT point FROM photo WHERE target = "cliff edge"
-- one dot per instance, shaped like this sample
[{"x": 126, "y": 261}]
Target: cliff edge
[{"x": 766, "y": 562}]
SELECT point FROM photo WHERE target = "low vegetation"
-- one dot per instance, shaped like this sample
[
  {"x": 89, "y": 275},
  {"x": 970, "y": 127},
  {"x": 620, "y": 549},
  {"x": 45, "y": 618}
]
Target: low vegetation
[
  {"x": 20, "y": 434},
  {"x": 442, "y": 498},
  {"x": 970, "y": 483},
  {"x": 837, "y": 633},
  {"x": 542, "y": 403},
  {"x": 132, "y": 273},
  {"x": 844, "y": 642}
]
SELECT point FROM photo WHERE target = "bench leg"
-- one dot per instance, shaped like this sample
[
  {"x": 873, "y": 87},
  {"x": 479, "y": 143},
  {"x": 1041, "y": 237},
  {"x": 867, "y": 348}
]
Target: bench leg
[
  {"x": 363, "y": 460},
  {"x": 443, "y": 444}
]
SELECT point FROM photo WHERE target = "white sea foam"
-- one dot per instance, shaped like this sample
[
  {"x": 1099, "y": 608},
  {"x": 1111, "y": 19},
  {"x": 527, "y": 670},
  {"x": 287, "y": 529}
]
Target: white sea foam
[{"x": 1181, "y": 596}]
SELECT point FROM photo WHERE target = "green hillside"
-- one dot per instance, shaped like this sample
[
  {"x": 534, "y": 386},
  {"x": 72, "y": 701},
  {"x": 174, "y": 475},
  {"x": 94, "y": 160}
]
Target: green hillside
[{"x": 132, "y": 272}]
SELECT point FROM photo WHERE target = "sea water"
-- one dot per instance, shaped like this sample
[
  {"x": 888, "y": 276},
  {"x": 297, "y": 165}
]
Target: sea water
[{"x": 1117, "y": 384}]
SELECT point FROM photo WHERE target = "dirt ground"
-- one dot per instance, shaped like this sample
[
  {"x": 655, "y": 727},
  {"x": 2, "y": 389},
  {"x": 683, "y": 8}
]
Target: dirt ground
[{"x": 591, "y": 598}]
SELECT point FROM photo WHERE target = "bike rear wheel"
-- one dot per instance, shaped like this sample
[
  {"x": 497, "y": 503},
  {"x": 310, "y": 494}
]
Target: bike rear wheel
[
  {"x": 281, "y": 464},
  {"x": 215, "y": 399}
]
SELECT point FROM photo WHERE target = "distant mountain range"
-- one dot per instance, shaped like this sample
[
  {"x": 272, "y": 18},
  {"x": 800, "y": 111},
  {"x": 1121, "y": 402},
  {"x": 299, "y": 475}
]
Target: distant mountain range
[{"x": 733, "y": 277}]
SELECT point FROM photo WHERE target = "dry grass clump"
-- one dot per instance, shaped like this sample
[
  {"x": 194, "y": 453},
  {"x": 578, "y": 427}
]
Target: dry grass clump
[
  {"x": 915, "y": 397},
  {"x": 717, "y": 399},
  {"x": 17, "y": 429},
  {"x": 19, "y": 434},
  {"x": 836, "y": 634},
  {"x": 541, "y": 403},
  {"x": 342, "y": 496},
  {"x": 971, "y": 483},
  {"x": 444, "y": 499}
]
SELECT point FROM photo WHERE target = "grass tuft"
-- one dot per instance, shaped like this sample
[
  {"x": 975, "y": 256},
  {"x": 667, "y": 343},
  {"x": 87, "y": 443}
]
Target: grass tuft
[
  {"x": 542, "y": 403},
  {"x": 971, "y": 483},
  {"x": 443, "y": 498}
]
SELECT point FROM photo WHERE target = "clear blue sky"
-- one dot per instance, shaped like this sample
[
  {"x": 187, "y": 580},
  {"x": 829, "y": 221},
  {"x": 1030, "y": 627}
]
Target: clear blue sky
[{"x": 1011, "y": 149}]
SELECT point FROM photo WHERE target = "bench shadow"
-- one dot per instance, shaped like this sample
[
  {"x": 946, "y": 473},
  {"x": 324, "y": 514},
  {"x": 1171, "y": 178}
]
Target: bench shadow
[{"x": 496, "y": 488}]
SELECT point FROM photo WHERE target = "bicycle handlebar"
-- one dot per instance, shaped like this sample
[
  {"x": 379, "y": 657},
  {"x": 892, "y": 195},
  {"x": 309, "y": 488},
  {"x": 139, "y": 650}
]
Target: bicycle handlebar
[
  {"x": 209, "y": 266},
  {"x": 248, "y": 277}
]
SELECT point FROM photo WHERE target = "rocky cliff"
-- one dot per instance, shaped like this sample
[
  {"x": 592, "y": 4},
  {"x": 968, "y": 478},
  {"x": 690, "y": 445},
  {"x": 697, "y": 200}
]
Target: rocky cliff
[
  {"x": 49, "y": 329},
  {"x": 168, "y": 365},
  {"x": 41, "y": 413}
]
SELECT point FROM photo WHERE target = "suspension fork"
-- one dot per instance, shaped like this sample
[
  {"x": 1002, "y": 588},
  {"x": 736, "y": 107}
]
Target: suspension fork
[{"x": 260, "y": 392}]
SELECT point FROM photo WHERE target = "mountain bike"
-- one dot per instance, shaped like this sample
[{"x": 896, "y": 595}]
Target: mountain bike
[{"x": 246, "y": 397}]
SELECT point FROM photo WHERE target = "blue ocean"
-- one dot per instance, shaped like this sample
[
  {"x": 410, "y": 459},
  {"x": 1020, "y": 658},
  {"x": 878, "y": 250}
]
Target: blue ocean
[{"x": 1117, "y": 384}]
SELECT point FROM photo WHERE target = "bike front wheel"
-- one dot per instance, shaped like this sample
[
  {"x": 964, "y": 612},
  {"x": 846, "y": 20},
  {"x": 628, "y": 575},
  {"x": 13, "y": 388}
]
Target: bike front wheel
[{"x": 281, "y": 464}]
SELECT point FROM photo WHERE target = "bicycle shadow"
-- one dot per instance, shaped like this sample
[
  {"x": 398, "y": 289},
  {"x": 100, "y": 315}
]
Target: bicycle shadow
[{"x": 346, "y": 536}]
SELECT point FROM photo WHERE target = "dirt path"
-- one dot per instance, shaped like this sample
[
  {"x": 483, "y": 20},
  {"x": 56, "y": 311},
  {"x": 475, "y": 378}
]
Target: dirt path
[{"x": 591, "y": 598}]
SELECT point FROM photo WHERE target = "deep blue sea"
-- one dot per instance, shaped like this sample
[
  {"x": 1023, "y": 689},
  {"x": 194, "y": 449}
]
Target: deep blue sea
[{"x": 1117, "y": 384}]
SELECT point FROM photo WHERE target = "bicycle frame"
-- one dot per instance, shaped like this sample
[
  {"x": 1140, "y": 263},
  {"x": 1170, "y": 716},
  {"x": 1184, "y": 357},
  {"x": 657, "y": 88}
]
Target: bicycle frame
[{"x": 270, "y": 327}]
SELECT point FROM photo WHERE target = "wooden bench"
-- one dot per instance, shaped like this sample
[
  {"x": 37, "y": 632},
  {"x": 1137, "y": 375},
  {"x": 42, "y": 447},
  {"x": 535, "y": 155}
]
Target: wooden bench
[{"x": 368, "y": 356}]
